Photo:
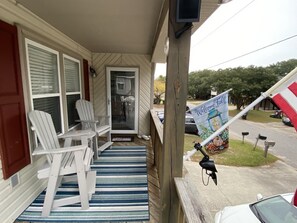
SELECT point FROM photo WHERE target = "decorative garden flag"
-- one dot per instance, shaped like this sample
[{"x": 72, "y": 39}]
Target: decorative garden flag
[{"x": 209, "y": 117}]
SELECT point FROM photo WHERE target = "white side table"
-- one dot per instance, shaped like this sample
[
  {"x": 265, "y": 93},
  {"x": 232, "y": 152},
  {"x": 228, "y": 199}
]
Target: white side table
[{"x": 85, "y": 136}]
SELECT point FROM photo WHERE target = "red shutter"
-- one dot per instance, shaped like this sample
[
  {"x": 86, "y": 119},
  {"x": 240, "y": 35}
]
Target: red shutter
[
  {"x": 86, "y": 79},
  {"x": 14, "y": 149}
]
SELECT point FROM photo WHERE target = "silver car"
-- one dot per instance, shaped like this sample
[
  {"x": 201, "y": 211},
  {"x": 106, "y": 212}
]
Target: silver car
[{"x": 275, "y": 209}]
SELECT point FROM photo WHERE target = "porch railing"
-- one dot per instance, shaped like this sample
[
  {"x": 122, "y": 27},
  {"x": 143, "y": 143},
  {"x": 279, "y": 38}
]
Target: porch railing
[
  {"x": 157, "y": 140},
  {"x": 191, "y": 209}
]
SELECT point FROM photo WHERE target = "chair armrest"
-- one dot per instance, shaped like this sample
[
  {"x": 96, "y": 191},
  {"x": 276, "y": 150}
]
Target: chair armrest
[
  {"x": 87, "y": 121},
  {"x": 39, "y": 151},
  {"x": 102, "y": 116},
  {"x": 78, "y": 133},
  {"x": 103, "y": 119}
]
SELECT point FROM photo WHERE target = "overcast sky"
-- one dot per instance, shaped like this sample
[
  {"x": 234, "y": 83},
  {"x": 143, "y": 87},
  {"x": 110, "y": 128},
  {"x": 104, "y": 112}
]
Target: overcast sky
[{"x": 265, "y": 31}]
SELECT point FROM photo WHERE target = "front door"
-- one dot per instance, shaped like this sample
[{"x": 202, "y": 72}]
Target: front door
[{"x": 122, "y": 93}]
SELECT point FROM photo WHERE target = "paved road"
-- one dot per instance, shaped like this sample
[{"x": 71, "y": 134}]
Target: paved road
[
  {"x": 239, "y": 185},
  {"x": 285, "y": 137}
]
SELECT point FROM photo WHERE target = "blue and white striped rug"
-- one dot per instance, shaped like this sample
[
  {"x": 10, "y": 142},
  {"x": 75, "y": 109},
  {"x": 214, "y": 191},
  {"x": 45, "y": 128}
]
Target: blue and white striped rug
[{"x": 121, "y": 191}]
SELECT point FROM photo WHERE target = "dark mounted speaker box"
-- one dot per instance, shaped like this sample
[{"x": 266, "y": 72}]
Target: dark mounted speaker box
[{"x": 188, "y": 10}]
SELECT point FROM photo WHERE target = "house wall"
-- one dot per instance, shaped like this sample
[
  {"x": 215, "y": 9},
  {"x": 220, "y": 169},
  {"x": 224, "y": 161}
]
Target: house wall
[
  {"x": 98, "y": 84},
  {"x": 14, "y": 201}
]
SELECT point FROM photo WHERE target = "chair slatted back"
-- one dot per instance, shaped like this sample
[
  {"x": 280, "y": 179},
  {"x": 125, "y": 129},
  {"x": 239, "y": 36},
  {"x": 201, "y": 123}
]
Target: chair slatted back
[
  {"x": 45, "y": 130},
  {"x": 85, "y": 111}
]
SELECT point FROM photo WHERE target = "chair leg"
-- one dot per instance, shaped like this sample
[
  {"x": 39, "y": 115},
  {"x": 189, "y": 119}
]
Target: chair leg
[
  {"x": 109, "y": 136},
  {"x": 52, "y": 185},
  {"x": 96, "y": 146},
  {"x": 82, "y": 180}
]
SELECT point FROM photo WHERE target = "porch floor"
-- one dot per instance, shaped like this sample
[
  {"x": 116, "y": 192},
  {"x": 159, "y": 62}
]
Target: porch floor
[
  {"x": 153, "y": 181},
  {"x": 153, "y": 178}
]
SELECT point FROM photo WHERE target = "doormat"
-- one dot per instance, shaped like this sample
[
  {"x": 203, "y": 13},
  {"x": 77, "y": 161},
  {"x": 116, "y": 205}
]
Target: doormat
[{"x": 121, "y": 138}]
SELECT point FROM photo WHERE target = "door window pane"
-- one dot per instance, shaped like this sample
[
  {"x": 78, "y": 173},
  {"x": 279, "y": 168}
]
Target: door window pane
[{"x": 123, "y": 100}]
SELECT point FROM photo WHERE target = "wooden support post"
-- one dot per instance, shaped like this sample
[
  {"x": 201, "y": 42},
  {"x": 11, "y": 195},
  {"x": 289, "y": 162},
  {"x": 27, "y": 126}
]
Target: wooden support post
[{"x": 175, "y": 107}]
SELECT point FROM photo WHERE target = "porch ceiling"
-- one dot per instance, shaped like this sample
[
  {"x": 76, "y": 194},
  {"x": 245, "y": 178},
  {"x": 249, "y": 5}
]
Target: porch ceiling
[{"x": 113, "y": 26}]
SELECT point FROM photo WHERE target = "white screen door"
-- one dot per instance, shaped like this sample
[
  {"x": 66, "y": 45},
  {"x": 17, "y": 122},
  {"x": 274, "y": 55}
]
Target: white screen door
[{"x": 122, "y": 93}]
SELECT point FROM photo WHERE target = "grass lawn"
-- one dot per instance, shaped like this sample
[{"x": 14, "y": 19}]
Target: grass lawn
[
  {"x": 257, "y": 116},
  {"x": 195, "y": 102},
  {"x": 238, "y": 154}
]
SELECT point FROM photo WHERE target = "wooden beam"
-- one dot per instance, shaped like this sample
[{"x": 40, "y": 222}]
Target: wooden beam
[
  {"x": 160, "y": 22},
  {"x": 175, "y": 107},
  {"x": 153, "y": 69}
]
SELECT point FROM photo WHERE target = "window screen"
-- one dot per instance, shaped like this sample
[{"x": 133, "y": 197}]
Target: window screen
[
  {"x": 73, "y": 92},
  {"x": 44, "y": 81}
]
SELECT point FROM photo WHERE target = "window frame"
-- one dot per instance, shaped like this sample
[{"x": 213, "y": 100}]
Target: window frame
[
  {"x": 65, "y": 83},
  {"x": 59, "y": 94}
]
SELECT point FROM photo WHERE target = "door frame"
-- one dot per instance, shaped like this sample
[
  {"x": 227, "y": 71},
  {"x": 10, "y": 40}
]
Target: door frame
[{"x": 109, "y": 69}]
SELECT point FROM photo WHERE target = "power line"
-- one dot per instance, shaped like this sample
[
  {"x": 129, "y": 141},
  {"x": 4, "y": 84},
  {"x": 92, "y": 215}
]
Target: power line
[
  {"x": 261, "y": 48},
  {"x": 210, "y": 33}
]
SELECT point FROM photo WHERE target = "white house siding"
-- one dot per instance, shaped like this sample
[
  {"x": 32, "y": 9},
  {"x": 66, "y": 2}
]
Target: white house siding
[
  {"x": 98, "y": 85},
  {"x": 14, "y": 201}
]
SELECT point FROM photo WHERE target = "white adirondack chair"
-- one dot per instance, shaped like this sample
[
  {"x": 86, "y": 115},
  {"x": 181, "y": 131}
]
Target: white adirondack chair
[
  {"x": 62, "y": 162},
  {"x": 87, "y": 118}
]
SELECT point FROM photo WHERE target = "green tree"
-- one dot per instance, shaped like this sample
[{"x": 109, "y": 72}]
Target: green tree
[
  {"x": 159, "y": 89},
  {"x": 282, "y": 68},
  {"x": 247, "y": 83},
  {"x": 199, "y": 84}
]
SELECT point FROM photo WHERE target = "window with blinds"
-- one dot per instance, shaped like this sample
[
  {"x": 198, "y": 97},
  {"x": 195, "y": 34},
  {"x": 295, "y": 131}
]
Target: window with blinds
[
  {"x": 43, "y": 65},
  {"x": 73, "y": 87}
]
